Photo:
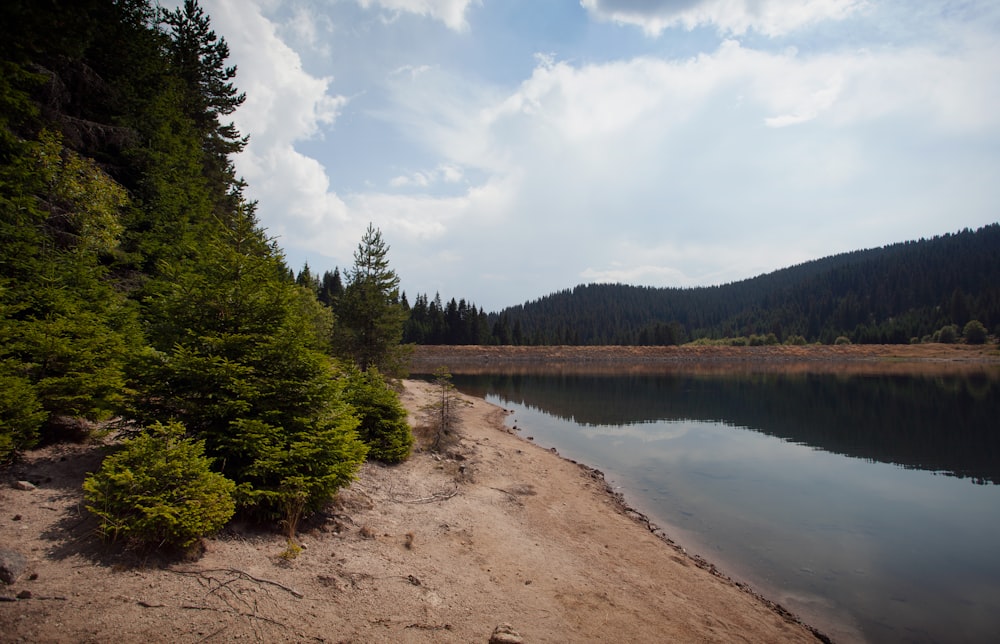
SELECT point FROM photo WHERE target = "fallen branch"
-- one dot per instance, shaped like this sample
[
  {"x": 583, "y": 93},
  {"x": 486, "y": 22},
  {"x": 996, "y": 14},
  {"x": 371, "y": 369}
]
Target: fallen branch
[
  {"x": 430, "y": 627},
  {"x": 507, "y": 492},
  {"x": 241, "y": 574},
  {"x": 438, "y": 496}
]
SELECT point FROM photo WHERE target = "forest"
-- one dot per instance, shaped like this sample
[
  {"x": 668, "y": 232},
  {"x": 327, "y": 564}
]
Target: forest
[
  {"x": 140, "y": 297},
  {"x": 916, "y": 291}
]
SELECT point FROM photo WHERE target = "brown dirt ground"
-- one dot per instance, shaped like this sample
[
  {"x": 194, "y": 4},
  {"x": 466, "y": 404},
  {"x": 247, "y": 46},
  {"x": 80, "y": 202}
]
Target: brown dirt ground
[{"x": 438, "y": 549}]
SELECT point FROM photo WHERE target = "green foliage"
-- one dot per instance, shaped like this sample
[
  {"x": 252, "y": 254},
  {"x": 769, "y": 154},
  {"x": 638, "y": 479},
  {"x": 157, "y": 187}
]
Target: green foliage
[
  {"x": 83, "y": 203},
  {"x": 947, "y": 334},
  {"x": 21, "y": 414},
  {"x": 842, "y": 339},
  {"x": 432, "y": 322},
  {"x": 125, "y": 237},
  {"x": 370, "y": 315},
  {"x": 795, "y": 340},
  {"x": 159, "y": 491},
  {"x": 63, "y": 327},
  {"x": 762, "y": 340},
  {"x": 384, "y": 427},
  {"x": 236, "y": 359},
  {"x": 974, "y": 332},
  {"x": 880, "y": 295}
]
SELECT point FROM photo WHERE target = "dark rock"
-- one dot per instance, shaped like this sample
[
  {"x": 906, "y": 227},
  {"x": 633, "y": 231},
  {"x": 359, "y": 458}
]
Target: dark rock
[{"x": 12, "y": 565}]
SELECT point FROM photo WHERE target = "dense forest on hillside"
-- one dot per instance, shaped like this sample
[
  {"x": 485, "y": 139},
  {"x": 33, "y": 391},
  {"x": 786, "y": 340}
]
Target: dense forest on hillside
[
  {"x": 896, "y": 294},
  {"x": 137, "y": 285}
]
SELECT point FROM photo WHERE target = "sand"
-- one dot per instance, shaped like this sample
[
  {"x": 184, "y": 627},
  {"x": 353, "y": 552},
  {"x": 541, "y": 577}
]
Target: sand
[{"x": 443, "y": 548}]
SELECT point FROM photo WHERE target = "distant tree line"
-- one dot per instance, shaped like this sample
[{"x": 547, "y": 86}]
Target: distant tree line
[{"x": 926, "y": 290}]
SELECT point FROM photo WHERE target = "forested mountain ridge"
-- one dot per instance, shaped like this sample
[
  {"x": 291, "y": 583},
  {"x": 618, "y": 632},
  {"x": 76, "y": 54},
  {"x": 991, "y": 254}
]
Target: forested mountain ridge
[{"x": 893, "y": 294}]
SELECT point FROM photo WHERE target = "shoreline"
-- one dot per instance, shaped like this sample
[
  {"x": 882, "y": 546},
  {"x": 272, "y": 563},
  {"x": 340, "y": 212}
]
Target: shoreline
[
  {"x": 622, "y": 505},
  {"x": 701, "y": 562},
  {"x": 494, "y": 532},
  {"x": 846, "y": 359}
]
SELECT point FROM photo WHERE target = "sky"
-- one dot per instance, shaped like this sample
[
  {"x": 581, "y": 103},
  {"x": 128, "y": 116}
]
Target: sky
[{"x": 508, "y": 149}]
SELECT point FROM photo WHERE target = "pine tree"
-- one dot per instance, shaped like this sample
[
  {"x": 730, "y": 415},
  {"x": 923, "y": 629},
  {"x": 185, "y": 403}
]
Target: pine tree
[
  {"x": 370, "y": 316},
  {"x": 64, "y": 330},
  {"x": 159, "y": 490},
  {"x": 236, "y": 361},
  {"x": 198, "y": 58},
  {"x": 331, "y": 288},
  {"x": 383, "y": 427}
]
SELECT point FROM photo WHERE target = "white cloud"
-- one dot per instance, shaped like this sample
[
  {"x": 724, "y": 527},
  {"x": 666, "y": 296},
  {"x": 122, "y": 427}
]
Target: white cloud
[
  {"x": 444, "y": 173},
  {"x": 674, "y": 172},
  {"x": 450, "y": 12},
  {"x": 769, "y": 17},
  {"x": 310, "y": 29},
  {"x": 285, "y": 105},
  {"x": 696, "y": 149}
]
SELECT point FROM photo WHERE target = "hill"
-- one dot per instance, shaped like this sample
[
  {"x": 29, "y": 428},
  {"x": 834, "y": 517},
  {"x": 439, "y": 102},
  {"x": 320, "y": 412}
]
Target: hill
[{"x": 888, "y": 295}]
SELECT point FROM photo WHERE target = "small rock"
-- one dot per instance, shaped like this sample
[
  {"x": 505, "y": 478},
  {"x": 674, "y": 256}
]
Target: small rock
[
  {"x": 505, "y": 634},
  {"x": 24, "y": 485},
  {"x": 12, "y": 565},
  {"x": 24, "y": 594}
]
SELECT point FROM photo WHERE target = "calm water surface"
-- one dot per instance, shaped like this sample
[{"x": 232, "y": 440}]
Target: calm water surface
[{"x": 870, "y": 505}]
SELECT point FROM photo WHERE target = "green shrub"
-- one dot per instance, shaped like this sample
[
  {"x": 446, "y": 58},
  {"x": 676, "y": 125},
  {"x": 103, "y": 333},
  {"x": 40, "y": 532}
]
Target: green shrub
[
  {"x": 20, "y": 414},
  {"x": 237, "y": 359},
  {"x": 383, "y": 427},
  {"x": 842, "y": 339},
  {"x": 159, "y": 491},
  {"x": 795, "y": 340},
  {"x": 974, "y": 332},
  {"x": 947, "y": 334}
]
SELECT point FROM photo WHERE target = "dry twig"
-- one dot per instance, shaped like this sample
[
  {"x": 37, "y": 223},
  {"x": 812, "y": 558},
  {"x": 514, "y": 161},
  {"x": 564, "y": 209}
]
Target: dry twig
[{"x": 437, "y": 496}]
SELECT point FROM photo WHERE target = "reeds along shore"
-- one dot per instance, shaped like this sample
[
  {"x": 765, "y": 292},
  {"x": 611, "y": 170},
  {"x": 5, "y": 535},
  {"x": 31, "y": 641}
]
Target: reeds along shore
[{"x": 861, "y": 359}]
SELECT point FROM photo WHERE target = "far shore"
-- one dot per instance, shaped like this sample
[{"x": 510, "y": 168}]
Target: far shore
[{"x": 859, "y": 358}]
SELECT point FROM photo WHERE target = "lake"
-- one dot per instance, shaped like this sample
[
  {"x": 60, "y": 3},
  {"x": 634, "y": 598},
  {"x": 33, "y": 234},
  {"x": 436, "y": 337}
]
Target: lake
[{"x": 868, "y": 504}]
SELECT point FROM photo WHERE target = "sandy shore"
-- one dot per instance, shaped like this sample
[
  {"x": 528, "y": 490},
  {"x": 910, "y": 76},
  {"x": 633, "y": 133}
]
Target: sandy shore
[{"x": 439, "y": 549}]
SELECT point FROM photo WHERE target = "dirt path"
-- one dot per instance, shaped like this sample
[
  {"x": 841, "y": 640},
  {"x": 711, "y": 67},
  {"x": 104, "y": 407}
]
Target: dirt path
[{"x": 439, "y": 549}]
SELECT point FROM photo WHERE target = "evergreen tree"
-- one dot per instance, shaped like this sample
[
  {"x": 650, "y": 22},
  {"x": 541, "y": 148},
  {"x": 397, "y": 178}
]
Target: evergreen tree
[
  {"x": 64, "y": 330},
  {"x": 238, "y": 364},
  {"x": 331, "y": 288},
  {"x": 158, "y": 490},
  {"x": 370, "y": 316},
  {"x": 199, "y": 57},
  {"x": 384, "y": 427}
]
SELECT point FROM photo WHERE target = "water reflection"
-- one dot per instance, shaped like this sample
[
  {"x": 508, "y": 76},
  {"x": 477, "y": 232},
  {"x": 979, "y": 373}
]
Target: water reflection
[
  {"x": 793, "y": 483},
  {"x": 944, "y": 423}
]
